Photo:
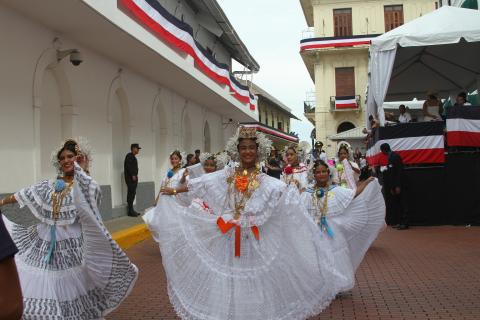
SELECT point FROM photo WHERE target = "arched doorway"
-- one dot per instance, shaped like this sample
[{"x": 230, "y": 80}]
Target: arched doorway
[
  {"x": 206, "y": 137},
  {"x": 50, "y": 123},
  {"x": 53, "y": 114},
  {"x": 345, "y": 126},
  {"x": 120, "y": 145}
]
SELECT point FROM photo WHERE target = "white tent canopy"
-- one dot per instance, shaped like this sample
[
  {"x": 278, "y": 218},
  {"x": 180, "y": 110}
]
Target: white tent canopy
[{"x": 439, "y": 51}]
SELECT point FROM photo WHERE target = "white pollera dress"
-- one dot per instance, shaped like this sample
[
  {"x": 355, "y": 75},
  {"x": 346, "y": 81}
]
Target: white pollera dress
[
  {"x": 299, "y": 174},
  {"x": 152, "y": 216},
  {"x": 266, "y": 266},
  {"x": 86, "y": 275},
  {"x": 350, "y": 225}
]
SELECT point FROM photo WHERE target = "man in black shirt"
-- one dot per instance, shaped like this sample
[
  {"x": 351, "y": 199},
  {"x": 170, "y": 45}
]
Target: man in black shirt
[
  {"x": 273, "y": 168},
  {"x": 131, "y": 177},
  {"x": 393, "y": 184},
  {"x": 11, "y": 302}
]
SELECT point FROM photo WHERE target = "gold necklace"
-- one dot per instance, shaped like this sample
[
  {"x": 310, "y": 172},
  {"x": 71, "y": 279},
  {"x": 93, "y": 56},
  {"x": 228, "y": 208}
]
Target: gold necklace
[
  {"x": 57, "y": 200},
  {"x": 242, "y": 184},
  {"x": 321, "y": 207}
]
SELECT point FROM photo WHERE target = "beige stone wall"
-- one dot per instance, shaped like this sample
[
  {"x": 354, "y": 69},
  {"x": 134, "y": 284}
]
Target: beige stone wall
[
  {"x": 367, "y": 16},
  {"x": 326, "y": 121}
]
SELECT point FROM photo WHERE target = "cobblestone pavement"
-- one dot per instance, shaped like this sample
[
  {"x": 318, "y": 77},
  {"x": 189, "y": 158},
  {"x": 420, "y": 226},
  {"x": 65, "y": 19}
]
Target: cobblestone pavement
[{"x": 421, "y": 273}]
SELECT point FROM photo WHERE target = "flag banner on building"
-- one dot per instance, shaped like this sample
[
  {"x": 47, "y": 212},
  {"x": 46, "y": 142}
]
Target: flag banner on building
[
  {"x": 463, "y": 126},
  {"x": 333, "y": 42},
  {"x": 180, "y": 35},
  {"x": 346, "y": 102},
  {"x": 416, "y": 143},
  {"x": 271, "y": 131}
]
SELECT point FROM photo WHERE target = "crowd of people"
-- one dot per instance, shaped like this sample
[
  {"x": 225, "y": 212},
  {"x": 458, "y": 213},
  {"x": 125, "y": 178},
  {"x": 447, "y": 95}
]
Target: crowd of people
[
  {"x": 259, "y": 233},
  {"x": 243, "y": 234},
  {"x": 433, "y": 109}
]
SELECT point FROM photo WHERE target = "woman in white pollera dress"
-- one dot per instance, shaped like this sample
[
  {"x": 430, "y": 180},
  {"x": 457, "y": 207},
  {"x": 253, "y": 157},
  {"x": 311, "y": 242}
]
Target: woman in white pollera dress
[
  {"x": 255, "y": 256},
  {"x": 69, "y": 266},
  {"x": 350, "y": 219}
]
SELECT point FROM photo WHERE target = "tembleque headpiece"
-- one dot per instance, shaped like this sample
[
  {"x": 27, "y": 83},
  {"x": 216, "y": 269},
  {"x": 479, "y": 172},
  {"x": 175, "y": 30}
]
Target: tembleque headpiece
[
  {"x": 264, "y": 144},
  {"x": 82, "y": 147}
]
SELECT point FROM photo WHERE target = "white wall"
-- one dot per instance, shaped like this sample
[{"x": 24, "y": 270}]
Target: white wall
[
  {"x": 42, "y": 102},
  {"x": 202, "y": 35}
]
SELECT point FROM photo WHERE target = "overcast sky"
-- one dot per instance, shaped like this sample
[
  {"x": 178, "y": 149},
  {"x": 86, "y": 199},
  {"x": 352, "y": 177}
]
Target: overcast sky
[{"x": 271, "y": 30}]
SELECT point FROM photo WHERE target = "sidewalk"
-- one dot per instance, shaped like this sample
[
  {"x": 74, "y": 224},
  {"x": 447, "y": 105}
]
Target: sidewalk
[{"x": 128, "y": 231}]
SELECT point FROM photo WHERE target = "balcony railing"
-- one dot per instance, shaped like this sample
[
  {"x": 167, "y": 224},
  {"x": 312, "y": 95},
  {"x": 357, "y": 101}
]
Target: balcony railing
[
  {"x": 309, "y": 44},
  {"x": 345, "y": 103},
  {"x": 308, "y": 33},
  {"x": 309, "y": 106}
]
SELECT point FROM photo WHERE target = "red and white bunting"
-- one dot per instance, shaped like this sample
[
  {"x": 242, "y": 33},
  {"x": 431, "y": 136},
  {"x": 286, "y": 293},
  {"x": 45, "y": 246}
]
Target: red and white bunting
[
  {"x": 413, "y": 150},
  {"x": 270, "y": 131},
  {"x": 463, "y": 132},
  {"x": 346, "y": 103},
  {"x": 333, "y": 43},
  {"x": 183, "y": 41}
]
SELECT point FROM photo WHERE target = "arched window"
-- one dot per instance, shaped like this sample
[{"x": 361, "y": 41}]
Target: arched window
[
  {"x": 50, "y": 122},
  {"x": 344, "y": 126},
  {"x": 206, "y": 137},
  {"x": 120, "y": 144}
]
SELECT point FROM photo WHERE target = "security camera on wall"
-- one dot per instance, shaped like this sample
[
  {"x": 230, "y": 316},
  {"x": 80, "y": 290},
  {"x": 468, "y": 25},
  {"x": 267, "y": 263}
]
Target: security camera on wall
[{"x": 75, "y": 56}]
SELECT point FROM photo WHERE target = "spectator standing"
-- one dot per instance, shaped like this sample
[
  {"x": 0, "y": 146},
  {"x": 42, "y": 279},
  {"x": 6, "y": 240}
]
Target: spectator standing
[
  {"x": 461, "y": 100},
  {"x": 373, "y": 122},
  {"x": 11, "y": 301},
  {"x": 318, "y": 153},
  {"x": 432, "y": 108},
  {"x": 197, "y": 156},
  {"x": 404, "y": 116},
  {"x": 131, "y": 177},
  {"x": 273, "y": 166},
  {"x": 191, "y": 160},
  {"x": 394, "y": 185}
]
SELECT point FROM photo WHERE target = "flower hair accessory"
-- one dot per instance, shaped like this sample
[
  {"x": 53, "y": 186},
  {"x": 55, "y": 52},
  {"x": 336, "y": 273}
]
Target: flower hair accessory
[
  {"x": 221, "y": 159},
  {"x": 264, "y": 144},
  {"x": 204, "y": 156},
  {"x": 82, "y": 147},
  {"x": 288, "y": 169}
]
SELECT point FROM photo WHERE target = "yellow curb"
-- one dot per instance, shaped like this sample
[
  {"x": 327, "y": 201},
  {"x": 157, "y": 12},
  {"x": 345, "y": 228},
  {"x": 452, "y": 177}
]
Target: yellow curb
[{"x": 129, "y": 237}]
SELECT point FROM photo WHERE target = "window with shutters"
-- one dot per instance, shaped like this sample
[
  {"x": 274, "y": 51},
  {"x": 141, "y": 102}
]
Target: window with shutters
[
  {"x": 342, "y": 22},
  {"x": 345, "y": 82},
  {"x": 393, "y": 17}
]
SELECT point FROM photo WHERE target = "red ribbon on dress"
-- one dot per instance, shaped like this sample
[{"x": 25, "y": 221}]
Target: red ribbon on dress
[{"x": 227, "y": 226}]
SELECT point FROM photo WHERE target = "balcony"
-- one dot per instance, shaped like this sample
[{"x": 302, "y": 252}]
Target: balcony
[
  {"x": 309, "y": 110},
  {"x": 309, "y": 44},
  {"x": 345, "y": 103},
  {"x": 308, "y": 33},
  {"x": 312, "y": 48}
]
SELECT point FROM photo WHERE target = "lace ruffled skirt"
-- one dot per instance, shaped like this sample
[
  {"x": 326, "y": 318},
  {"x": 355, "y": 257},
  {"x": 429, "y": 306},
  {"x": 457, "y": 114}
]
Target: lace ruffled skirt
[
  {"x": 85, "y": 275},
  {"x": 276, "y": 275}
]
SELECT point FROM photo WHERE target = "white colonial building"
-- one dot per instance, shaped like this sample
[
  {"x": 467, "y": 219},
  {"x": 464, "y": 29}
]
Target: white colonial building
[{"x": 153, "y": 72}]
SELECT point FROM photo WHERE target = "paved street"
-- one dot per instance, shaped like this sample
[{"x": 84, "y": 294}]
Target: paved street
[{"x": 421, "y": 273}]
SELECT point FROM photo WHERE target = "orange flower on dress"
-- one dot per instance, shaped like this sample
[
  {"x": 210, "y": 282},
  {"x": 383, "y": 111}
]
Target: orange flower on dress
[{"x": 241, "y": 182}]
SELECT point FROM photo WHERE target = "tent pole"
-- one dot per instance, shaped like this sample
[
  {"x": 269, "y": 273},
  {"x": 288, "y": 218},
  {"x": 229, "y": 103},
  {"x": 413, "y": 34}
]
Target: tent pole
[
  {"x": 452, "y": 63},
  {"x": 441, "y": 75}
]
